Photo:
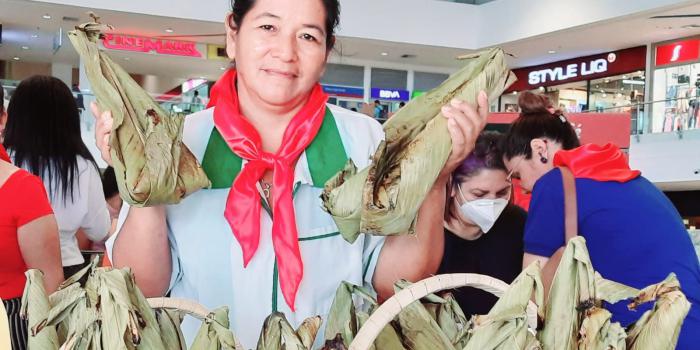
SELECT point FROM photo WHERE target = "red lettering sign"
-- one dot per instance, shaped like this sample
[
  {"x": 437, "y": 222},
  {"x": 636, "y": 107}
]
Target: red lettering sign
[
  {"x": 680, "y": 51},
  {"x": 140, "y": 44}
]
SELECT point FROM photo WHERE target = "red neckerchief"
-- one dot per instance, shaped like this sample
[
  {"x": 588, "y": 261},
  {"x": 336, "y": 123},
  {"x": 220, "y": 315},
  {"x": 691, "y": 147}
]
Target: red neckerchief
[
  {"x": 3, "y": 154},
  {"x": 600, "y": 163},
  {"x": 243, "y": 203}
]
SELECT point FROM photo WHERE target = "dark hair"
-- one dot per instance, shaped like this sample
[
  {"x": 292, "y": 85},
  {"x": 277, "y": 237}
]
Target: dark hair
[
  {"x": 377, "y": 101},
  {"x": 109, "y": 183},
  {"x": 241, "y": 7},
  {"x": 536, "y": 121},
  {"x": 2, "y": 99},
  {"x": 43, "y": 132},
  {"x": 487, "y": 154}
]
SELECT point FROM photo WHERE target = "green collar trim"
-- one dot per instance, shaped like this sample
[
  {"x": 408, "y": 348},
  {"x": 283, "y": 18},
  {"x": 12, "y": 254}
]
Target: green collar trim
[{"x": 325, "y": 156}]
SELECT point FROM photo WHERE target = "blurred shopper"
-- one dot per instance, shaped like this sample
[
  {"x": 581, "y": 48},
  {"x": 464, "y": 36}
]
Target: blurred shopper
[
  {"x": 43, "y": 137},
  {"x": 634, "y": 234},
  {"x": 483, "y": 230},
  {"x": 28, "y": 240}
]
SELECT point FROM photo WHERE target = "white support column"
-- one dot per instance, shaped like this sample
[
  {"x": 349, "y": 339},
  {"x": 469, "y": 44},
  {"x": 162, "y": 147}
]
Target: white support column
[
  {"x": 368, "y": 83},
  {"x": 411, "y": 78}
]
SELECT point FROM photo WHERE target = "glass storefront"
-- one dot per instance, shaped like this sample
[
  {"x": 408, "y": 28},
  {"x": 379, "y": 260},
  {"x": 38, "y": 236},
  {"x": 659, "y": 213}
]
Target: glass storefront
[
  {"x": 676, "y": 86},
  {"x": 677, "y": 98}
]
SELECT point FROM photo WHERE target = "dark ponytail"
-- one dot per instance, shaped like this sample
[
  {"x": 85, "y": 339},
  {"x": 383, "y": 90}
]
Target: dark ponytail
[{"x": 536, "y": 121}]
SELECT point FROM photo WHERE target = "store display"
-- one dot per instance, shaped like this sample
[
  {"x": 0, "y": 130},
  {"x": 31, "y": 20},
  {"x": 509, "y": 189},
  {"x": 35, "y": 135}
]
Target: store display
[
  {"x": 151, "y": 163},
  {"x": 384, "y": 198}
]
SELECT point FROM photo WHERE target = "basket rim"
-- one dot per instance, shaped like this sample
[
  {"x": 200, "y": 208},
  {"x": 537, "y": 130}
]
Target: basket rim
[{"x": 393, "y": 306}]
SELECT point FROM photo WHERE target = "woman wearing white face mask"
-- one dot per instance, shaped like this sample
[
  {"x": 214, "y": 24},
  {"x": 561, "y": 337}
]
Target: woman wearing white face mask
[{"x": 483, "y": 230}]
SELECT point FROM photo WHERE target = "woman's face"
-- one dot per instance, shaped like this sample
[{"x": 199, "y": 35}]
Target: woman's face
[
  {"x": 486, "y": 184},
  {"x": 530, "y": 170},
  {"x": 280, "y": 50}
]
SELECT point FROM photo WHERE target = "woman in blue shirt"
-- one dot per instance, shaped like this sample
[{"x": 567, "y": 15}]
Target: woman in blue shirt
[{"x": 634, "y": 234}]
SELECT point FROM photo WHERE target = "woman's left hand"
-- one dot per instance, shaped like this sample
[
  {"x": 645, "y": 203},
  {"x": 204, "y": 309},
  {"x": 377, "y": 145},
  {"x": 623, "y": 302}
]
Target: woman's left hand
[{"x": 464, "y": 122}]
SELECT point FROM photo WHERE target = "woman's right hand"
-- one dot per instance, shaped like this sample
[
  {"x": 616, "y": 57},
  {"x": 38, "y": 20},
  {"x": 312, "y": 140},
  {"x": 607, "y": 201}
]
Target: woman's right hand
[{"x": 103, "y": 130}]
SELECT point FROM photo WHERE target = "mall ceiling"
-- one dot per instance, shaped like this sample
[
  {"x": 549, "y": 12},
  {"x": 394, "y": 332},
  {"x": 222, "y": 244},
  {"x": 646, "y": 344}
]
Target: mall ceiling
[{"x": 30, "y": 37}]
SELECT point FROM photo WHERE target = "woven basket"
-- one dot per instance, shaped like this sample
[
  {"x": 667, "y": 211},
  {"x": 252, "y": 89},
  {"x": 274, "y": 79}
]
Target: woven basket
[
  {"x": 393, "y": 306},
  {"x": 192, "y": 308}
]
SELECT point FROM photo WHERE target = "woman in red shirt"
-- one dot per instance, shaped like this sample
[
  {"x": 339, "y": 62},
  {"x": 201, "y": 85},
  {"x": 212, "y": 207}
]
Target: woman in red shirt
[{"x": 28, "y": 240}]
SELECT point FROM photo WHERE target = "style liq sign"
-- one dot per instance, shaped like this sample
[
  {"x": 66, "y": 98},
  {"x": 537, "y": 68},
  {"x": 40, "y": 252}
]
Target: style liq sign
[
  {"x": 141, "y": 44},
  {"x": 569, "y": 71}
]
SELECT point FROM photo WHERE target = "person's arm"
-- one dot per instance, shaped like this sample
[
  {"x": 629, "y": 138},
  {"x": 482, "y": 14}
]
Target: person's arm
[
  {"x": 544, "y": 230},
  {"x": 142, "y": 243},
  {"x": 41, "y": 249},
  {"x": 416, "y": 257},
  {"x": 97, "y": 222}
]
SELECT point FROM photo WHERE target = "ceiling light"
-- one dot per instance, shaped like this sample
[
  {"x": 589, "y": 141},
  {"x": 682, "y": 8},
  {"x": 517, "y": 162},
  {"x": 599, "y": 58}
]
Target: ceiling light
[
  {"x": 607, "y": 81},
  {"x": 622, "y": 89},
  {"x": 25, "y": 47},
  {"x": 169, "y": 30},
  {"x": 624, "y": 77},
  {"x": 619, "y": 95},
  {"x": 603, "y": 95},
  {"x": 634, "y": 82},
  {"x": 34, "y": 36},
  {"x": 15, "y": 58},
  {"x": 551, "y": 52},
  {"x": 46, "y": 16},
  {"x": 515, "y": 92},
  {"x": 541, "y": 88},
  {"x": 385, "y": 54}
]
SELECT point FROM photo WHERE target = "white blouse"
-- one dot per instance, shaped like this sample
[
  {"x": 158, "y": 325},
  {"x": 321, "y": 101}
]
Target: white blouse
[{"x": 87, "y": 211}]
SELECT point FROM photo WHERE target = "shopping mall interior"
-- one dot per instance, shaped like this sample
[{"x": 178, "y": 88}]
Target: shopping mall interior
[{"x": 622, "y": 72}]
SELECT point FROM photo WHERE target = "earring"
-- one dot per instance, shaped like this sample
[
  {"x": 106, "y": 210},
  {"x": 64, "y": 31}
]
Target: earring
[{"x": 543, "y": 159}]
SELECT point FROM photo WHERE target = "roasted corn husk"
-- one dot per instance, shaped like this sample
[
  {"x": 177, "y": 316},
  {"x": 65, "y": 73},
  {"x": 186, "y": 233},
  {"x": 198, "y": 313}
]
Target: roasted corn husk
[
  {"x": 659, "y": 327},
  {"x": 384, "y": 198},
  {"x": 151, "y": 163}
]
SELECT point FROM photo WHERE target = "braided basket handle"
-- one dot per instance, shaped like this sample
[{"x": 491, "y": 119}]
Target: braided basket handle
[{"x": 393, "y": 306}]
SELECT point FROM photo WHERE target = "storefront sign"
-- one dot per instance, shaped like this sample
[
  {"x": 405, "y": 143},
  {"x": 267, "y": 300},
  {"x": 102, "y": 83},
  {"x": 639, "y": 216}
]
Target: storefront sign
[
  {"x": 680, "y": 51},
  {"x": 344, "y": 91},
  {"x": 217, "y": 52},
  {"x": 580, "y": 69},
  {"x": 141, "y": 44},
  {"x": 390, "y": 95},
  {"x": 571, "y": 71}
]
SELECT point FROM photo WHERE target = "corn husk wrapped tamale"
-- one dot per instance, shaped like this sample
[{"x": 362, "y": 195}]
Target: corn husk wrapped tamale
[
  {"x": 384, "y": 198},
  {"x": 151, "y": 163},
  {"x": 599, "y": 333},
  {"x": 417, "y": 323},
  {"x": 343, "y": 316},
  {"x": 278, "y": 334},
  {"x": 452, "y": 321},
  {"x": 575, "y": 294},
  {"x": 214, "y": 333},
  {"x": 659, "y": 327},
  {"x": 505, "y": 326},
  {"x": 169, "y": 322},
  {"x": 35, "y": 309}
]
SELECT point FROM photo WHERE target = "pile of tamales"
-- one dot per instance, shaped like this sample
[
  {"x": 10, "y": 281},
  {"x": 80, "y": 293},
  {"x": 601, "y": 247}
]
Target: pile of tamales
[
  {"x": 108, "y": 311},
  {"x": 572, "y": 317}
]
